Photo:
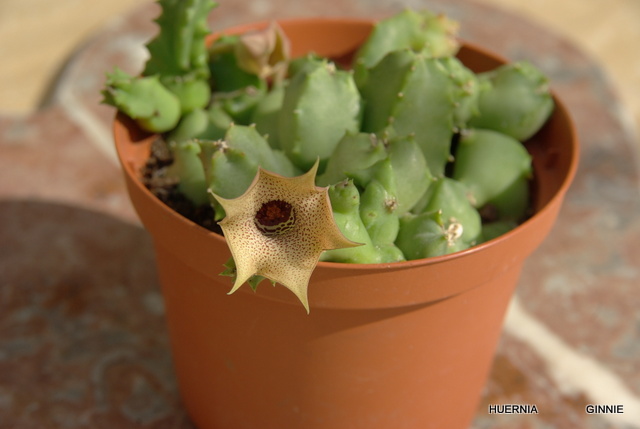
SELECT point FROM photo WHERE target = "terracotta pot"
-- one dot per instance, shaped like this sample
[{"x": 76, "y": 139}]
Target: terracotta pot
[{"x": 403, "y": 345}]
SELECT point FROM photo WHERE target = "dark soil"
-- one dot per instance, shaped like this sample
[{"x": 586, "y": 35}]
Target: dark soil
[{"x": 165, "y": 188}]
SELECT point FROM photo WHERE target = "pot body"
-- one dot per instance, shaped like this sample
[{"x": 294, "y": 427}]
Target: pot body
[
  {"x": 246, "y": 362},
  {"x": 403, "y": 345}
]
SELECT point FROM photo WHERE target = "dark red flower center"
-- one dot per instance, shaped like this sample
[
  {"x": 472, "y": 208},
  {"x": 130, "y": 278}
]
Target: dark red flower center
[{"x": 275, "y": 217}]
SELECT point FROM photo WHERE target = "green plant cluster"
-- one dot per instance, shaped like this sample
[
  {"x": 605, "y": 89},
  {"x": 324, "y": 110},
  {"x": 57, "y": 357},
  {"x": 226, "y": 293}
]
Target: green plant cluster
[{"x": 412, "y": 144}]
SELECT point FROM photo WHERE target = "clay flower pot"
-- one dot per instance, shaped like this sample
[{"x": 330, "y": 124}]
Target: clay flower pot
[{"x": 402, "y": 345}]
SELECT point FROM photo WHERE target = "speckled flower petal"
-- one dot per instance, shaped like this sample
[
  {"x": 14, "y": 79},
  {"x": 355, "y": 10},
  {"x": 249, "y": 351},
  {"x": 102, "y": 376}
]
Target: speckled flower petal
[{"x": 278, "y": 228}]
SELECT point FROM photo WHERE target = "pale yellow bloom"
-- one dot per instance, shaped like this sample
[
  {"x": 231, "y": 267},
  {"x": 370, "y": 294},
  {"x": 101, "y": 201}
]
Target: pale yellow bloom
[{"x": 278, "y": 228}]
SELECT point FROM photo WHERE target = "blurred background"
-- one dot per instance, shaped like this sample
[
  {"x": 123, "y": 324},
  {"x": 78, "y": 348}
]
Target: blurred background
[{"x": 38, "y": 36}]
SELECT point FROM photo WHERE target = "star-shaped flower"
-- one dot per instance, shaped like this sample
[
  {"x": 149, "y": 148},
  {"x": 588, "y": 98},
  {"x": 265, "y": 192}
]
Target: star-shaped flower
[{"x": 278, "y": 228}]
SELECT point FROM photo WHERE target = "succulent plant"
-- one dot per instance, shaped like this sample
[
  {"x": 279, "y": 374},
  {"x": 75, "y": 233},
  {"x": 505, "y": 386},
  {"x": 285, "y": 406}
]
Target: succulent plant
[
  {"x": 144, "y": 99},
  {"x": 207, "y": 124},
  {"x": 175, "y": 79},
  {"x": 434, "y": 34},
  {"x": 409, "y": 93},
  {"x": 496, "y": 170},
  {"x": 409, "y": 154},
  {"x": 451, "y": 198},
  {"x": 345, "y": 204},
  {"x": 429, "y": 234},
  {"x": 187, "y": 168},
  {"x": 179, "y": 55},
  {"x": 265, "y": 114},
  {"x": 360, "y": 156},
  {"x": 514, "y": 100},
  {"x": 352, "y": 158},
  {"x": 235, "y": 89},
  {"x": 320, "y": 104},
  {"x": 379, "y": 214}
]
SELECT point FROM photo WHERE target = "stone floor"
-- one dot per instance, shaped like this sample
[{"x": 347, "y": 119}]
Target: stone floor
[{"x": 82, "y": 336}]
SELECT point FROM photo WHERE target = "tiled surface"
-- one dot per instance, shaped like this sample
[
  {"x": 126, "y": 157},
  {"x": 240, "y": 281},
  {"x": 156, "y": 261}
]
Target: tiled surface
[{"x": 82, "y": 339}]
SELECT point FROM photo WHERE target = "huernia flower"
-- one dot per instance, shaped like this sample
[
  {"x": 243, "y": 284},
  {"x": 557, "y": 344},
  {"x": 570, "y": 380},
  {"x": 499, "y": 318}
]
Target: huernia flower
[{"x": 278, "y": 228}]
